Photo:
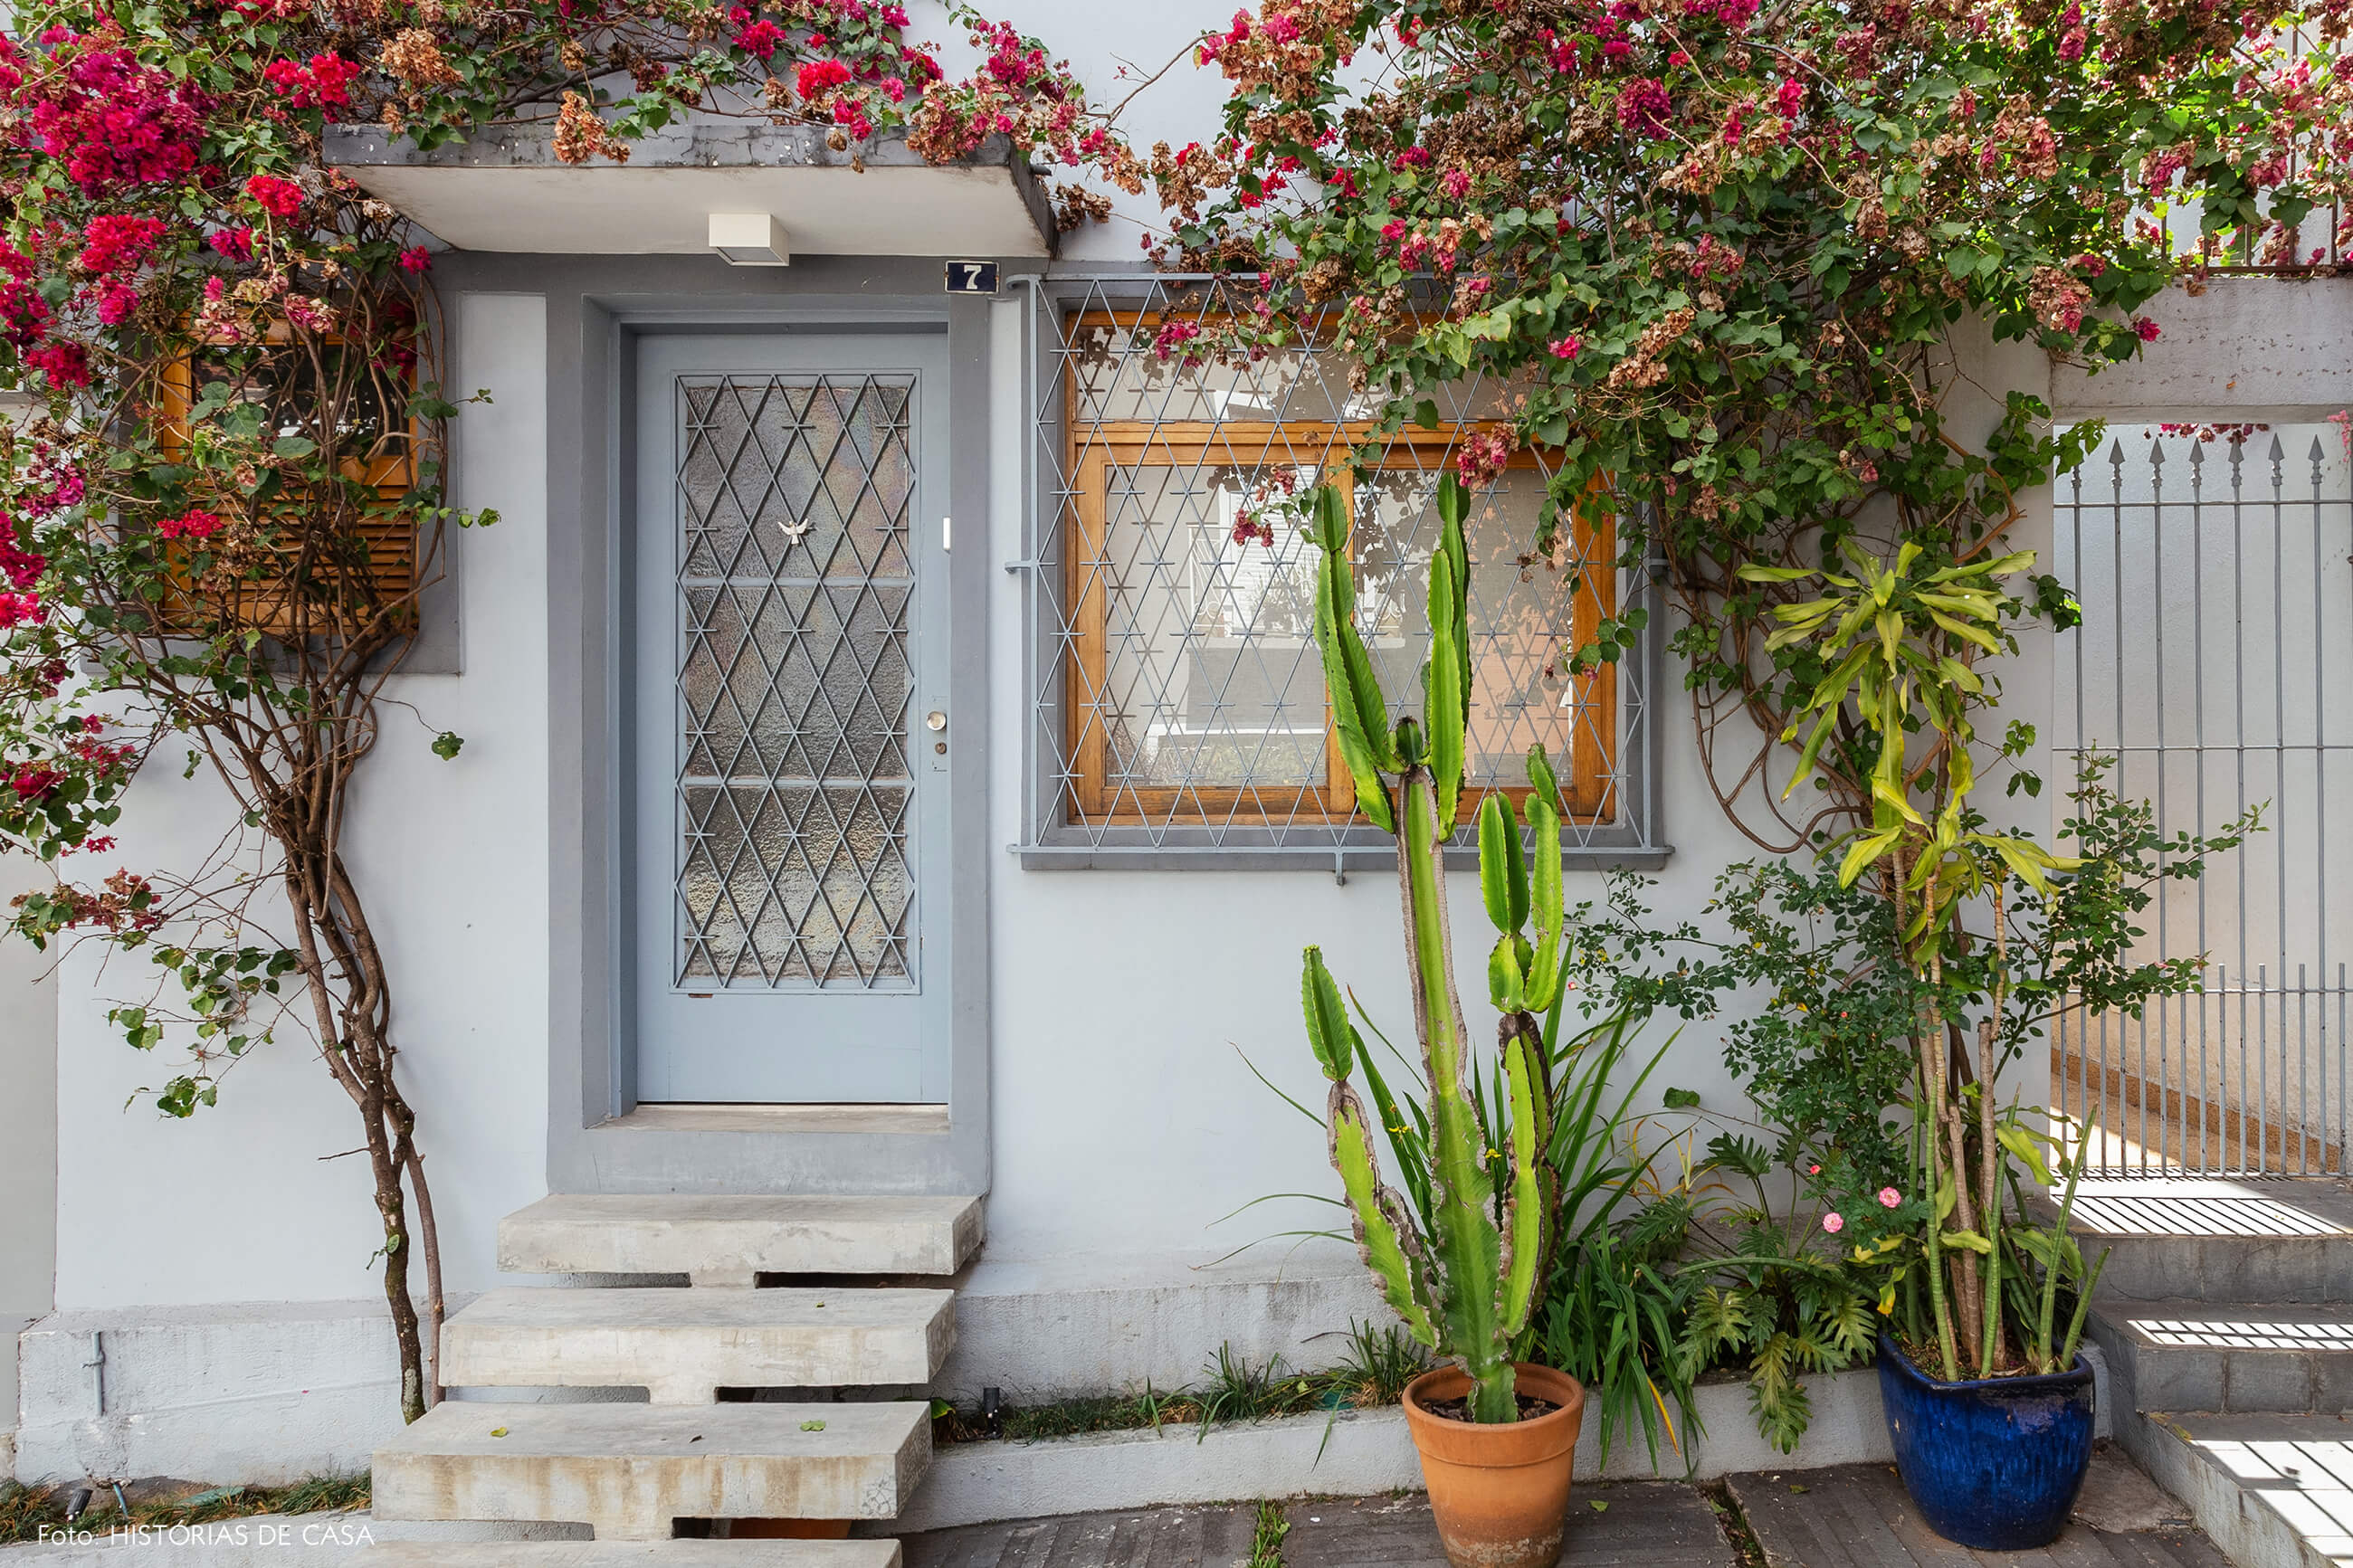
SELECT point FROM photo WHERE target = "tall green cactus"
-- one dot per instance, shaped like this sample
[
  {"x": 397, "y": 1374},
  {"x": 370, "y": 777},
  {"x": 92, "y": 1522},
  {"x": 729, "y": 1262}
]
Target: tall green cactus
[{"x": 1463, "y": 1262}]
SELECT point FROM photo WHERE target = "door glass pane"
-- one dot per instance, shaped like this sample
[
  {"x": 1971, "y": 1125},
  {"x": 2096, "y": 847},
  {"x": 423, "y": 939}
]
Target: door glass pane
[{"x": 795, "y": 599}]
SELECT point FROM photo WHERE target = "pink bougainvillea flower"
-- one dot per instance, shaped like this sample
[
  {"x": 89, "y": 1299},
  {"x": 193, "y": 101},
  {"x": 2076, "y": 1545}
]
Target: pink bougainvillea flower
[
  {"x": 66, "y": 365},
  {"x": 35, "y": 784},
  {"x": 237, "y": 243},
  {"x": 283, "y": 198},
  {"x": 116, "y": 302},
  {"x": 1833, "y": 1223},
  {"x": 1643, "y": 105},
  {"x": 763, "y": 38},
  {"x": 416, "y": 259},
  {"x": 817, "y": 77},
  {"x": 324, "y": 82},
  {"x": 114, "y": 242},
  {"x": 1568, "y": 347},
  {"x": 192, "y": 524},
  {"x": 2146, "y": 330},
  {"x": 1889, "y": 1197}
]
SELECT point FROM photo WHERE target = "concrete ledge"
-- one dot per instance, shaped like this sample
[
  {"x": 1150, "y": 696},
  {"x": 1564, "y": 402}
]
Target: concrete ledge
[
  {"x": 1048, "y": 1329},
  {"x": 1359, "y": 1453},
  {"x": 258, "y": 1392}
]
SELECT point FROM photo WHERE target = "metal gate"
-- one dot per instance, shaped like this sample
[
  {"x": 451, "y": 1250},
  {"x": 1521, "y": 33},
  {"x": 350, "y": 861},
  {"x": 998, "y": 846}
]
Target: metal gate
[{"x": 2214, "y": 659}]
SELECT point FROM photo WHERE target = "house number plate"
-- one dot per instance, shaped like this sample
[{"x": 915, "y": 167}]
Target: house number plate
[{"x": 972, "y": 276}]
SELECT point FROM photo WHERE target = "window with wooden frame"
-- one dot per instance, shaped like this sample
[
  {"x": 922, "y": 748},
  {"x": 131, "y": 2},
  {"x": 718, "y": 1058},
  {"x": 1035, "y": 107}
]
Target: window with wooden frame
[
  {"x": 1189, "y": 691},
  {"x": 331, "y": 586}
]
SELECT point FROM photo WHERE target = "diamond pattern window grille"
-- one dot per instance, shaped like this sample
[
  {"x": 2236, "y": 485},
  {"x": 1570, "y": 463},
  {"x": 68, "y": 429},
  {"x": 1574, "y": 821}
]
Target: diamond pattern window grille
[
  {"x": 796, "y": 592},
  {"x": 1178, "y": 695}
]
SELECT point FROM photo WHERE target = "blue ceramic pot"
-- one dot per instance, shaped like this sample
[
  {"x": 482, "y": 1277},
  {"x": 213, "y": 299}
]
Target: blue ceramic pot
[{"x": 1992, "y": 1463}]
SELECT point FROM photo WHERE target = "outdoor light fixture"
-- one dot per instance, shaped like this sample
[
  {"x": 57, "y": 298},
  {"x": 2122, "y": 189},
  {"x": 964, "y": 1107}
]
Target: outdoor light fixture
[{"x": 750, "y": 239}]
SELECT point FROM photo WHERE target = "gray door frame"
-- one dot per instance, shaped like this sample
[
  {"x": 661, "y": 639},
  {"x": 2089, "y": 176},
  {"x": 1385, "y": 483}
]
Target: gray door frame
[{"x": 600, "y": 310}]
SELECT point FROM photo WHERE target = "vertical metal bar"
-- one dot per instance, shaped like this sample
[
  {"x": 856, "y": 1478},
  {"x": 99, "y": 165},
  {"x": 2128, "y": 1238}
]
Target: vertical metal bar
[
  {"x": 2116, "y": 638},
  {"x": 2303, "y": 1111},
  {"x": 2279, "y": 753},
  {"x": 2263, "y": 1067},
  {"x": 2239, "y": 752},
  {"x": 2198, "y": 800},
  {"x": 2164, "y": 762},
  {"x": 2081, "y": 1060},
  {"x": 2320, "y": 789}
]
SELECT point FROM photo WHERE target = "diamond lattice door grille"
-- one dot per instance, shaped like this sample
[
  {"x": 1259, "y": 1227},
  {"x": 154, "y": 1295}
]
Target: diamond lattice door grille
[{"x": 795, "y": 599}]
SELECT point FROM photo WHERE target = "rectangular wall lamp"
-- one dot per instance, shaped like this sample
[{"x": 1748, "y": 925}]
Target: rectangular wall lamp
[{"x": 750, "y": 239}]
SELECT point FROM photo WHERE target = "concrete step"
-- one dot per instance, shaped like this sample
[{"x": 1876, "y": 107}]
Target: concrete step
[
  {"x": 2209, "y": 1239},
  {"x": 2273, "y": 1492},
  {"x": 728, "y": 1239},
  {"x": 628, "y": 1470},
  {"x": 682, "y": 1346},
  {"x": 2286, "y": 1357},
  {"x": 631, "y": 1554}
]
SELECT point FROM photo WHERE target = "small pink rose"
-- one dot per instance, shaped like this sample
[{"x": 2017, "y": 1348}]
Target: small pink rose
[
  {"x": 1813, "y": 1170},
  {"x": 1833, "y": 1223},
  {"x": 1889, "y": 1197}
]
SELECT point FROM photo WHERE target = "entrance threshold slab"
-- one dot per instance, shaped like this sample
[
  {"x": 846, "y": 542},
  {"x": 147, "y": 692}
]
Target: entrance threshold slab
[{"x": 682, "y": 1117}]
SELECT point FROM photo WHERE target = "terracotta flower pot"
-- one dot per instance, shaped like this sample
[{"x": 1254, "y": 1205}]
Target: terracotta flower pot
[{"x": 1500, "y": 1493}]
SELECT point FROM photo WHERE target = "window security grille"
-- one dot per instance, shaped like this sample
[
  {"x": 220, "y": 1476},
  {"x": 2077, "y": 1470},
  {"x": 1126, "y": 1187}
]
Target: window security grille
[{"x": 1177, "y": 714}]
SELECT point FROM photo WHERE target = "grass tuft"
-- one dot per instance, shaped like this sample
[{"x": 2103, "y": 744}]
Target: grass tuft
[
  {"x": 1373, "y": 1371},
  {"x": 24, "y": 1511},
  {"x": 1266, "y": 1542}
]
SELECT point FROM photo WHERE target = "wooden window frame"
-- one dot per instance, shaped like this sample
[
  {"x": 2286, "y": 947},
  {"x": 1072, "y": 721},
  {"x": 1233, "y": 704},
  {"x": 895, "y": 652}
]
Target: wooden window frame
[
  {"x": 1092, "y": 450},
  {"x": 391, "y": 475}
]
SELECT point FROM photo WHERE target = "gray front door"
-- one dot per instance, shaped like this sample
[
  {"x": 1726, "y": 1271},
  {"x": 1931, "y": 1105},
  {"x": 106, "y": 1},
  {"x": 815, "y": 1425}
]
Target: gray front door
[{"x": 791, "y": 650}]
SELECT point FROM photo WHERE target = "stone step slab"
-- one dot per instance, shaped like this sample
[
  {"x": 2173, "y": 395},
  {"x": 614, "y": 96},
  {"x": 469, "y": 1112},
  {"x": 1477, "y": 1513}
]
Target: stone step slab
[
  {"x": 682, "y": 1346},
  {"x": 2210, "y": 1239},
  {"x": 628, "y": 1471},
  {"x": 2227, "y": 1356},
  {"x": 2271, "y": 1491},
  {"x": 631, "y": 1554},
  {"x": 728, "y": 1239}
]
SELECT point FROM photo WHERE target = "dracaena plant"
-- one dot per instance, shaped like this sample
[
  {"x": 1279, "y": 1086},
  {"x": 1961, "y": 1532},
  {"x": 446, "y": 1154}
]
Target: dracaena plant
[
  {"x": 1489, "y": 1165},
  {"x": 1895, "y": 643}
]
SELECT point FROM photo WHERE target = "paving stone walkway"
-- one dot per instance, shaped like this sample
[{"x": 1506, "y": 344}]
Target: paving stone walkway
[
  {"x": 1854, "y": 1516},
  {"x": 1857, "y": 1516},
  {"x": 1644, "y": 1524}
]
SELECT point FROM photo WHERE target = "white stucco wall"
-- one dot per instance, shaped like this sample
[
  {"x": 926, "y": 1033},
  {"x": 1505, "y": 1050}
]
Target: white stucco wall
[
  {"x": 237, "y": 1203},
  {"x": 28, "y": 1140}
]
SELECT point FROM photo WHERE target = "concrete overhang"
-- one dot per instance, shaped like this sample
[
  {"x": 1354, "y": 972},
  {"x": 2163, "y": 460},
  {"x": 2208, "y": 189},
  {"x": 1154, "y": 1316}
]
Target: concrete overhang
[{"x": 504, "y": 189}]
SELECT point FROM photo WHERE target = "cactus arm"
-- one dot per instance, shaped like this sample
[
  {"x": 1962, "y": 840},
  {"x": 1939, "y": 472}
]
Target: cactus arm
[
  {"x": 1547, "y": 900},
  {"x": 1463, "y": 1229},
  {"x": 1525, "y": 1213},
  {"x": 1384, "y": 1233},
  {"x": 1329, "y": 1033},
  {"x": 1359, "y": 713},
  {"x": 1503, "y": 869},
  {"x": 1453, "y": 508},
  {"x": 1447, "y": 706}
]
